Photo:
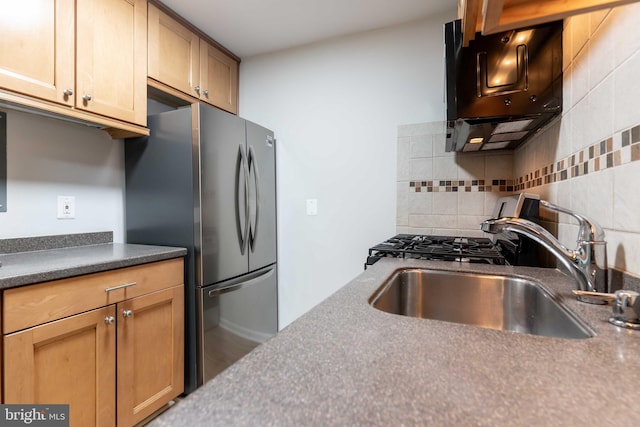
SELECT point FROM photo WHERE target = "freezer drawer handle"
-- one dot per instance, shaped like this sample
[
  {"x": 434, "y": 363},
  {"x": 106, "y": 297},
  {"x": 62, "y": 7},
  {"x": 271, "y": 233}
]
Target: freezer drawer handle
[
  {"x": 126, "y": 285},
  {"x": 216, "y": 292}
]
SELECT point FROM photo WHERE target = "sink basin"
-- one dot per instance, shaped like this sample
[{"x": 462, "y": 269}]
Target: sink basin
[{"x": 490, "y": 301}]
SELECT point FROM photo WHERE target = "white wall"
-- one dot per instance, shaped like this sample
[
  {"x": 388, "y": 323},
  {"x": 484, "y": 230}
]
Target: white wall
[
  {"x": 335, "y": 108},
  {"x": 47, "y": 158}
]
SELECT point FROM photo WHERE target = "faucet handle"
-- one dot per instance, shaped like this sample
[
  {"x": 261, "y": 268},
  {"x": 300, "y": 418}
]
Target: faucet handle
[
  {"x": 626, "y": 309},
  {"x": 590, "y": 231},
  {"x": 625, "y": 306}
]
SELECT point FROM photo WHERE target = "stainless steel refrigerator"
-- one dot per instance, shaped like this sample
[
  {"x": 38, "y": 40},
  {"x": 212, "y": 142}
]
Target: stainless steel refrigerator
[{"x": 205, "y": 180}]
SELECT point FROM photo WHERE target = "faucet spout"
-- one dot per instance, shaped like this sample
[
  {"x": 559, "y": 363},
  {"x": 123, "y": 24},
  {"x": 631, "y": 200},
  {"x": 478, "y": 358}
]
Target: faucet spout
[{"x": 587, "y": 263}]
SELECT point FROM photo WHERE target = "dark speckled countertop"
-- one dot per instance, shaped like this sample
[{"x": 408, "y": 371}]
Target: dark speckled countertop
[
  {"x": 346, "y": 363},
  {"x": 24, "y": 268}
]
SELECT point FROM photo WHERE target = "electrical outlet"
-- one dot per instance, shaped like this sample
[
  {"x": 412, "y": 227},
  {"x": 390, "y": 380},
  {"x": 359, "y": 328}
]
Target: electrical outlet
[
  {"x": 312, "y": 206},
  {"x": 66, "y": 207}
]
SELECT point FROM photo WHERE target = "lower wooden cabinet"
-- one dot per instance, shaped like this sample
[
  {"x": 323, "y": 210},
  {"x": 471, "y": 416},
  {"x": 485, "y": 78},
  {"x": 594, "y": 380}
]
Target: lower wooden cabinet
[
  {"x": 70, "y": 361},
  {"x": 150, "y": 353},
  {"x": 114, "y": 365}
]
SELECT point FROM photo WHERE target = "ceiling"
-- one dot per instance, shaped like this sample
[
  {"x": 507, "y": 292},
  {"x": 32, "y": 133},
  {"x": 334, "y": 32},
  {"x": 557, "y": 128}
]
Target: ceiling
[{"x": 251, "y": 27}]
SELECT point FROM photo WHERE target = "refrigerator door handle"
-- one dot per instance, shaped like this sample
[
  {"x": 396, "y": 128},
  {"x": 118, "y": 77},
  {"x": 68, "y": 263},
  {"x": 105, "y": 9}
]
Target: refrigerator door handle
[
  {"x": 234, "y": 287},
  {"x": 253, "y": 169},
  {"x": 243, "y": 223}
]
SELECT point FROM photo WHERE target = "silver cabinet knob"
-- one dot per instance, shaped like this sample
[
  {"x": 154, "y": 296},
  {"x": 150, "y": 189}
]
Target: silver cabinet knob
[
  {"x": 197, "y": 89},
  {"x": 87, "y": 98},
  {"x": 206, "y": 93},
  {"x": 109, "y": 320},
  {"x": 127, "y": 313},
  {"x": 68, "y": 92}
]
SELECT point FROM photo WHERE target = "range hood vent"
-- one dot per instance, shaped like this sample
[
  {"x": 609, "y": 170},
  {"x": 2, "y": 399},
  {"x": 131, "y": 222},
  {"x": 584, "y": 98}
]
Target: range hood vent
[{"x": 503, "y": 88}]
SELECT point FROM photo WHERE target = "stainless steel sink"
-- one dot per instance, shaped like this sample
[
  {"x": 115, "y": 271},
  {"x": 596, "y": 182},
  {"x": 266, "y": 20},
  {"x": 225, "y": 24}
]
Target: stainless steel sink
[{"x": 489, "y": 301}]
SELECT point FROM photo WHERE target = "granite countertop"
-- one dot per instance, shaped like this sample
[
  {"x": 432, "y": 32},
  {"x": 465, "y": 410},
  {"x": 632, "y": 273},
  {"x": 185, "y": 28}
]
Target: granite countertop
[
  {"x": 25, "y": 268},
  {"x": 346, "y": 363}
]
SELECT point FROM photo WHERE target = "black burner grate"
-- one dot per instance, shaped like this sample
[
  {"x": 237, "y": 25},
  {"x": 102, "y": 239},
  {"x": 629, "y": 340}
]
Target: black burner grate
[{"x": 446, "y": 248}]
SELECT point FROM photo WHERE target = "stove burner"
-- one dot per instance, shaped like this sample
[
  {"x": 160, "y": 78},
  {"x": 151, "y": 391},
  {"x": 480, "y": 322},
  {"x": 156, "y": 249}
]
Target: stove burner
[{"x": 445, "y": 248}]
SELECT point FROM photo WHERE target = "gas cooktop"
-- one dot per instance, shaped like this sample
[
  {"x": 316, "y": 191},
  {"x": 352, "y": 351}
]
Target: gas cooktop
[{"x": 444, "y": 248}]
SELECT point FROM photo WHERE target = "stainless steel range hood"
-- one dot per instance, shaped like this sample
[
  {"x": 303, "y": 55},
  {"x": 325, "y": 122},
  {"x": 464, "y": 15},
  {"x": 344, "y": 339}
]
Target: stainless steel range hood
[{"x": 502, "y": 88}]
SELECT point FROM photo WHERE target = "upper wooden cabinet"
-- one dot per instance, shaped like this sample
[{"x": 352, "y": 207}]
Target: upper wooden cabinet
[
  {"x": 219, "y": 78},
  {"x": 86, "y": 59},
  {"x": 174, "y": 53},
  {"x": 183, "y": 59},
  {"x": 37, "y": 49},
  {"x": 493, "y": 16},
  {"x": 111, "y": 50}
]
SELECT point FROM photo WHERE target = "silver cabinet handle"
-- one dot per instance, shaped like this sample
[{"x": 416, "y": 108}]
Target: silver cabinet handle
[
  {"x": 68, "y": 92},
  {"x": 197, "y": 89},
  {"x": 109, "y": 320},
  {"x": 206, "y": 93},
  {"x": 126, "y": 285},
  {"x": 86, "y": 98},
  {"x": 127, "y": 313}
]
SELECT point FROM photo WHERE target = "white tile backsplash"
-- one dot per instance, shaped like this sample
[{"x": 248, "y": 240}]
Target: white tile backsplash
[
  {"x": 599, "y": 122},
  {"x": 471, "y": 204},
  {"x": 445, "y": 167},
  {"x": 420, "y": 169},
  {"x": 445, "y": 203},
  {"x": 402, "y": 203},
  {"x": 625, "y": 32},
  {"x": 601, "y": 60},
  {"x": 421, "y": 146},
  {"x": 420, "y": 203},
  {"x": 471, "y": 166},
  {"x": 601, "y": 91},
  {"x": 446, "y": 193},
  {"x": 579, "y": 26},
  {"x": 626, "y": 203},
  {"x": 498, "y": 166},
  {"x": 627, "y": 91},
  {"x": 623, "y": 250},
  {"x": 579, "y": 79},
  {"x": 402, "y": 159}
]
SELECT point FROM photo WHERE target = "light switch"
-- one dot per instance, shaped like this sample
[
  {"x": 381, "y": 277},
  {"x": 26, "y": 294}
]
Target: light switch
[{"x": 312, "y": 206}]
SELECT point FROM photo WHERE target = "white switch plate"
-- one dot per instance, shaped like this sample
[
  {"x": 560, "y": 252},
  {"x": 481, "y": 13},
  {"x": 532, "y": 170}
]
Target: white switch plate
[
  {"x": 312, "y": 206},
  {"x": 66, "y": 207}
]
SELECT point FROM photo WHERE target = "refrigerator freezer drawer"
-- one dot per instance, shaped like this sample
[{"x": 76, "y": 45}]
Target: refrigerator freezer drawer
[{"x": 236, "y": 316}]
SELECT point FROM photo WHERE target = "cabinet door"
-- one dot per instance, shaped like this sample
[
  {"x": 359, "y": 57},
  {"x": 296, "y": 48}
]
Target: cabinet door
[
  {"x": 150, "y": 353},
  {"x": 218, "y": 78},
  {"x": 37, "y": 49},
  {"x": 68, "y": 361},
  {"x": 174, "y": 55},
  {"x": 111, "y": 58}
]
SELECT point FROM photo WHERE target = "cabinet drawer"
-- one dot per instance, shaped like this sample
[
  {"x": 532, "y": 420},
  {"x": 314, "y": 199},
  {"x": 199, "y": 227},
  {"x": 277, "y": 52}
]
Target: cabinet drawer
[{"x": 35, "y": 304}]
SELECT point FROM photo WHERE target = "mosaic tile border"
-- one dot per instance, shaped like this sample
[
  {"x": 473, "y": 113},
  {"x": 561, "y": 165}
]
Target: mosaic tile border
[
  {"x": 466, "y": 186},
  {"x": 620, "y": 149}
]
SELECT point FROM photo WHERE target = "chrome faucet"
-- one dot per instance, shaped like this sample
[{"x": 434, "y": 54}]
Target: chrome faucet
[{"x": 587, "y": 264}]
